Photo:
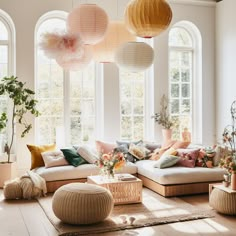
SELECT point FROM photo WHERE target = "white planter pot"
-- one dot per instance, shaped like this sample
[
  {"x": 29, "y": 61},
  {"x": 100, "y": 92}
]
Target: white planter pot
[{"x": 8, "y": 171}]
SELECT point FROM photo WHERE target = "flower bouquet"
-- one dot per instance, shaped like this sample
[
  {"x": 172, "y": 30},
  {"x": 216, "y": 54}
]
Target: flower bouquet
[{"x": 110, "y": 162}]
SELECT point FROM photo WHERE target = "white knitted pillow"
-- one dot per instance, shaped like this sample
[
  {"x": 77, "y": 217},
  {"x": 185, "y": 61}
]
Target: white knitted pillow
[
  {"x": 54, "y": 158},
  {"x": 88, "y": 154}
]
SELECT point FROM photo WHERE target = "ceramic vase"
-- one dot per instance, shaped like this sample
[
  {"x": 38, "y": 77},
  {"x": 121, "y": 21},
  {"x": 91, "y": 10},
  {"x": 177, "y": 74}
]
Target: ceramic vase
[
  {"x": 8, "y": 171},
  {"x": 167, "y": 134},
  {"x": 233, "y": 181}
]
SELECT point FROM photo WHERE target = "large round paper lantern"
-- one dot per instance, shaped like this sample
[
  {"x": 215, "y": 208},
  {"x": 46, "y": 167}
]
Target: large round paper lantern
[
  {"x": 147, "y": 18},
  {"x": 75, "y": 63},
  {"x": 89, "y": 21},
  {"x": 134, "y": 56},
  {"x": 117, "y": 34}
]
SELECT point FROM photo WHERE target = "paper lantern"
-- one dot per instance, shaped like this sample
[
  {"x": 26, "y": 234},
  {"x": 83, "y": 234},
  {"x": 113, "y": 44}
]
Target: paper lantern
[
  {"x": 147, "y": 18},
  {"x": 134, "y": 56},
  {"x": 73, "y": 62},
  {"x": 89, "y": 21},
  {"x": 117, "y": 34}
]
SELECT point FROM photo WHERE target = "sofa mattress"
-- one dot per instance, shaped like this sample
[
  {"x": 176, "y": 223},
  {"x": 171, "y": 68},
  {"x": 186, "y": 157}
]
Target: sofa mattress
[
  {"x": 179, "y": 175},
  {"x": 79, "y": 172}
]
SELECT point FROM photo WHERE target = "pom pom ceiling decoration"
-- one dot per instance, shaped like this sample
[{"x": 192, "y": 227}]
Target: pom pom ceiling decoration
[
  {"x": 147, "y": 18},
  {"x": 89, "y": 21},
  {"x": 117, "y": 34},
  {"x": 134, "y": 56},
  {"x": 75, "y": 62},
  {"x": 61, "y": 44}
]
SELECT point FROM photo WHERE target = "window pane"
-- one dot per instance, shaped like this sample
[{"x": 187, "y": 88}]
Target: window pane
[
  {"x": 132, "y": 89},
  {"x": 185, "y": 90},
  {"x": 175, "y": 90},
  {"x": 185, "y": 59},
  {"x": 185, "y": 106},
  {"x": 174, "y": 106},
  {"x": 174, "y": 74},
  {"x": 180, "y": 37},
  {"x": 3, "y": 32},
  {"x": 185, "y": 75}
]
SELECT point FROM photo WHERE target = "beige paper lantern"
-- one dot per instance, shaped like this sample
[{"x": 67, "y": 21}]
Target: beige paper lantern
[
  {"x": 89, "y": 21},
  {"x": 134, "y": 56},
  {"x": 147, "y": 18},
  {"x": 117, "y": 34},
  {"x": 75, "y": 63}
]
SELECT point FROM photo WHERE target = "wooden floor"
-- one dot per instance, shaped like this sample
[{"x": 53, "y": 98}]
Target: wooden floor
[{"x": 23, "y": 218}]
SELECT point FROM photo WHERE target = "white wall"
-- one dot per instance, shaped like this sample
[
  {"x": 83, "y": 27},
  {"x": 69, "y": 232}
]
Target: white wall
[
  {"x": 226, "y": 63},
  {"x": 25, "y": 14}
]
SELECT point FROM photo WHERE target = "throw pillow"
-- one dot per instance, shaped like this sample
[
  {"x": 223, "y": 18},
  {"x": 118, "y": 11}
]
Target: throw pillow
[
  {"x": 124, "y": 149},
  {"x": 54, "y": 158},
  {"x": 166, "y": 161},
  {"x": 73, "y": 157},
  {"x": 180, "y": 144},
  {"x": 103, "y": 147},
  {"x": 152, "y": 146},
  {"x": 188, "y": 158},
  {"x": 36, "y": 157},
  {"x": 127, "y": 143},
  {"x": 138, "y": 151},
  {"x": 205, "y": 157},
  {"x": 87, "y": 154}
]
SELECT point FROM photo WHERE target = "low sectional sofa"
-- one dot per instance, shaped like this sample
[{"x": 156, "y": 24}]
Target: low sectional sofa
[{"x": 172, "y": 181}]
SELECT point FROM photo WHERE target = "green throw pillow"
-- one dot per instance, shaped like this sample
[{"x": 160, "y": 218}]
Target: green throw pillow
[
  {"x": 166, "y": 161},
  {"x": 73, "y": 157}
]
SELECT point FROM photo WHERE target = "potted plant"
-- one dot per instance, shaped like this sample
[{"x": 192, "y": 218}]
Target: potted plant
[
  {"x": 163, "y": 118},
  {"x": 23, "y": 102}
]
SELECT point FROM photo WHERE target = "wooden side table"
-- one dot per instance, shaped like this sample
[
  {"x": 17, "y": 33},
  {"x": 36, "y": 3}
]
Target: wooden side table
[
  {"x": 123, "y": 192},
  {"x": 222, "y": 199}
]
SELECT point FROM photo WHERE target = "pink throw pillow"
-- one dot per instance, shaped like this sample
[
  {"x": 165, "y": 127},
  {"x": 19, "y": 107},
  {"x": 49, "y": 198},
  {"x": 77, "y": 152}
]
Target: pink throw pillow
[
  {"x": 188, "y": 158},
  {"x": 103, "y": 147}
]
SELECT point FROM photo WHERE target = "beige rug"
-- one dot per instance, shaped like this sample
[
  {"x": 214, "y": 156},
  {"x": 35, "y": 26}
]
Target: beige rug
[{"x": 154, "y": 210}]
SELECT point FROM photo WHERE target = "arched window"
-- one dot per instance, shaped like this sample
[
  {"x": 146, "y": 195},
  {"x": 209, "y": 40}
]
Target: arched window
[
  {"x": 7, "y": 54},
  {"x": 66, "y": 99},
  {"x": 185, "y": 79},
  {"x": 136, "y": 103}
]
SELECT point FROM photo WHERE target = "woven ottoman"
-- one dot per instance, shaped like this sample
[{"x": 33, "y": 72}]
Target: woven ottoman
[
  {"x": 80, "y": 203},
  {"x": 223, "y": 202}
]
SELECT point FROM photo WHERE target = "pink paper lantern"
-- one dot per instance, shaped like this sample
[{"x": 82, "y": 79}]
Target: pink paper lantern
[
  {"x": 89, "y": 21},
  {"x": 75, "y": 63}
]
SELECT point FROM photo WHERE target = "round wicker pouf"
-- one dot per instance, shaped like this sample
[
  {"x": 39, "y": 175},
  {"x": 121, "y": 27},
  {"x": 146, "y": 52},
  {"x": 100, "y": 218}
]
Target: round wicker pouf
[
  {"x": 80, "y": 203},
  {"x": 223, "y": 202}
]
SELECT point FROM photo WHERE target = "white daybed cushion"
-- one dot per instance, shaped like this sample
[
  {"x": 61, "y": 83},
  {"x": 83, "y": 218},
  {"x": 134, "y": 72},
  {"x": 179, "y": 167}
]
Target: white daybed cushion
[
  {"x": 179, "y": 175},
  {"x": 79, "y": 172}
]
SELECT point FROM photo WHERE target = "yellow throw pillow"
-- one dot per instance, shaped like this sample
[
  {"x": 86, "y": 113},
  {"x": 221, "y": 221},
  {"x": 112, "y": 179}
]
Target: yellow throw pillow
[
  {"x": 36, "y": 157},
  {"x": 170, "y": 152}
]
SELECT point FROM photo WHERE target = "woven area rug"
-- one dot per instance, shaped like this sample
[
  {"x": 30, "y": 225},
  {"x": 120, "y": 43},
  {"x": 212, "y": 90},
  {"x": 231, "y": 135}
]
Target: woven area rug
[{"x": 154, "y": 210}]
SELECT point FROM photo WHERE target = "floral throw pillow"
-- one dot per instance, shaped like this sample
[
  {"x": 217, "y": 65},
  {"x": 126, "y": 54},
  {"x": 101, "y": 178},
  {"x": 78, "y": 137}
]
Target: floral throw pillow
[
  {"x": 138, "y": 151},
  {"x": 205, "y": 157},
  {"x": 188, "y": 158}
]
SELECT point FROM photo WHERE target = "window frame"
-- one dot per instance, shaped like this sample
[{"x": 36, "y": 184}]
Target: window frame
[{"x": 196, "y": 89}]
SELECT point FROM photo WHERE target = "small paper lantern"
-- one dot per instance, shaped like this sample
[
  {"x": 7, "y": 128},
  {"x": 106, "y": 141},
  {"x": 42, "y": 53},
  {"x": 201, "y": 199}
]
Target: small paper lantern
[
  {"x": 116, "y": 34},
  {"x": 134, "y": 56},
  {"x": 147, "y": 18},
  {"x": 89, "y": 21},
  {"x": 75, "y": 63}
]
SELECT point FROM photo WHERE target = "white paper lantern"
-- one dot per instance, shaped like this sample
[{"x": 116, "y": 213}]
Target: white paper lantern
[
  {"x": 89, "y": 21},
  {"x": 134, "y": 56},
  {"x": 117, "y": 34},
  {"x": 75, "y": 63}
]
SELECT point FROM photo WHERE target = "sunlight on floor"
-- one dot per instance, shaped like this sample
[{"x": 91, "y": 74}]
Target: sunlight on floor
[{"x": 202, "y": 226}]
